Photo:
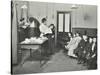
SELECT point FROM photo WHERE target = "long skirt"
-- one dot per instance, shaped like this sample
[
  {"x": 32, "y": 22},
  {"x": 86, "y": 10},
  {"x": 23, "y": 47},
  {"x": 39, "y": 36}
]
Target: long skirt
[
  {"x": 71, "y": 50},
  {"x": 34, "y": 32}
]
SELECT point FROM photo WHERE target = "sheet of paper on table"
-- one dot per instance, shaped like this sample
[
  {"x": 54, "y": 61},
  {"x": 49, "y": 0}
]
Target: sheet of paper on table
[{"x": 34, "y": 40}]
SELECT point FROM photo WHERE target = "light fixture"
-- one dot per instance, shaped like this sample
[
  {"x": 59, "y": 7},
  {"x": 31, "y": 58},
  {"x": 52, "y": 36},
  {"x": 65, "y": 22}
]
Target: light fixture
[
  {"x": 24, "y": 7},
  {"x": 74, "y": 6},
  {"x": 24, "y": 12}
]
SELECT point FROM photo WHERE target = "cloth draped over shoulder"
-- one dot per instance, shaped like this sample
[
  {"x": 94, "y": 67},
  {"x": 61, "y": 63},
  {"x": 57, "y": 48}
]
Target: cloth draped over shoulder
[{"x": 44, "y": 29}]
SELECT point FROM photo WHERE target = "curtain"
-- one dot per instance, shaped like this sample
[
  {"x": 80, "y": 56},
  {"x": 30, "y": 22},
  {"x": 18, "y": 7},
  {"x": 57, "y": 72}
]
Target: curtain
[{"x": 14, "y": 33}]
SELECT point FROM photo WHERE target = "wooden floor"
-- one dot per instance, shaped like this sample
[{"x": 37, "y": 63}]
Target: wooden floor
[{"x": 58, "y": 63}]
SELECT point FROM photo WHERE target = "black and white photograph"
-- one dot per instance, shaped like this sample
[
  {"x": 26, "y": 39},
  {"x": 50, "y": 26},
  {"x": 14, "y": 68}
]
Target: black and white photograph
[{"x": 53, "y": 37}]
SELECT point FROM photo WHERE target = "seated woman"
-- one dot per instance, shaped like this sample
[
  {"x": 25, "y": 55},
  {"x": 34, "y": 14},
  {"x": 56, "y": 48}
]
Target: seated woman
[
  {"x": 70, "y": 37},
  {"x": 73, "y": 44}
]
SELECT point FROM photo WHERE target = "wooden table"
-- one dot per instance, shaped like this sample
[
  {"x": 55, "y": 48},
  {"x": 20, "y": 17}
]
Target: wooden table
[{"x": 32, "y": 47}]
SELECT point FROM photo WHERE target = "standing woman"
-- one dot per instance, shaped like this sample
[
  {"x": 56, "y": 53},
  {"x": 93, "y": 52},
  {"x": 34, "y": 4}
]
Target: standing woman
[
  {"x": 33, "y": 30},
  {"x": 46, "y": 32},
  {"x": 22, "y": 29}
]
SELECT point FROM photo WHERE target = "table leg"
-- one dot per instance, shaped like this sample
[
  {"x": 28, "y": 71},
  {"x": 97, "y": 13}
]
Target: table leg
[
  {"x": 30, "y": 52},
  {"x": 40, "y": 51},
  {"x": 42, "y": 62},
  {"x": 24, "y": 59}
]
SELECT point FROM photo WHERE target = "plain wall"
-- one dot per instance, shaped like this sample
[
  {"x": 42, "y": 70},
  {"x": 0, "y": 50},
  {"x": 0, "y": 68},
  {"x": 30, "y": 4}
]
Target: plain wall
[{"x": 85, "y": 16}]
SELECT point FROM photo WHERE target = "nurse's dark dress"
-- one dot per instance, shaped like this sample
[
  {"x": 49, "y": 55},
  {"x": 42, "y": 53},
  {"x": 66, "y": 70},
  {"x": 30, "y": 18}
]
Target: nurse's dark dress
[{"x": 34, "y": 31}]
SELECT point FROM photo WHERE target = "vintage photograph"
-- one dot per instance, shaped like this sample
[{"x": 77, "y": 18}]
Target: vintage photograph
[{"x": 52, "y": 37}]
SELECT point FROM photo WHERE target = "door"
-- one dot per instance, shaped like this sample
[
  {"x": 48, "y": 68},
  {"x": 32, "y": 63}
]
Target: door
[
  {"x": 64, "y": 21},
  {"x": 63, "y": 24}
]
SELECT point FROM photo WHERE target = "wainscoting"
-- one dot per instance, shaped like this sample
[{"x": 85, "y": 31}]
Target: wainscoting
[{"x": 89, "y": 31}]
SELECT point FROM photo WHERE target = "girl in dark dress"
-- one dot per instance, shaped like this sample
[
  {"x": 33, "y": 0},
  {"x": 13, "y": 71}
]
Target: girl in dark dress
[
  {"x": 79, "y": 51},
  {"x": 92, "y": 61},
  {"x": 51, "y": 39},
  {"x": 87, "y": 50}
]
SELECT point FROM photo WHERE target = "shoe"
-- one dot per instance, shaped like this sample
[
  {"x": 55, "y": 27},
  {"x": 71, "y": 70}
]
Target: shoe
[{"x": 85, "y": 64}]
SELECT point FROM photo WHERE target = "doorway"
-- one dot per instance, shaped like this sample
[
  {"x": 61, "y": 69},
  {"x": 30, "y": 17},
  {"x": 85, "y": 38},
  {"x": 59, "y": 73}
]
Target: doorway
[{"x": 63, "y": 24}]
